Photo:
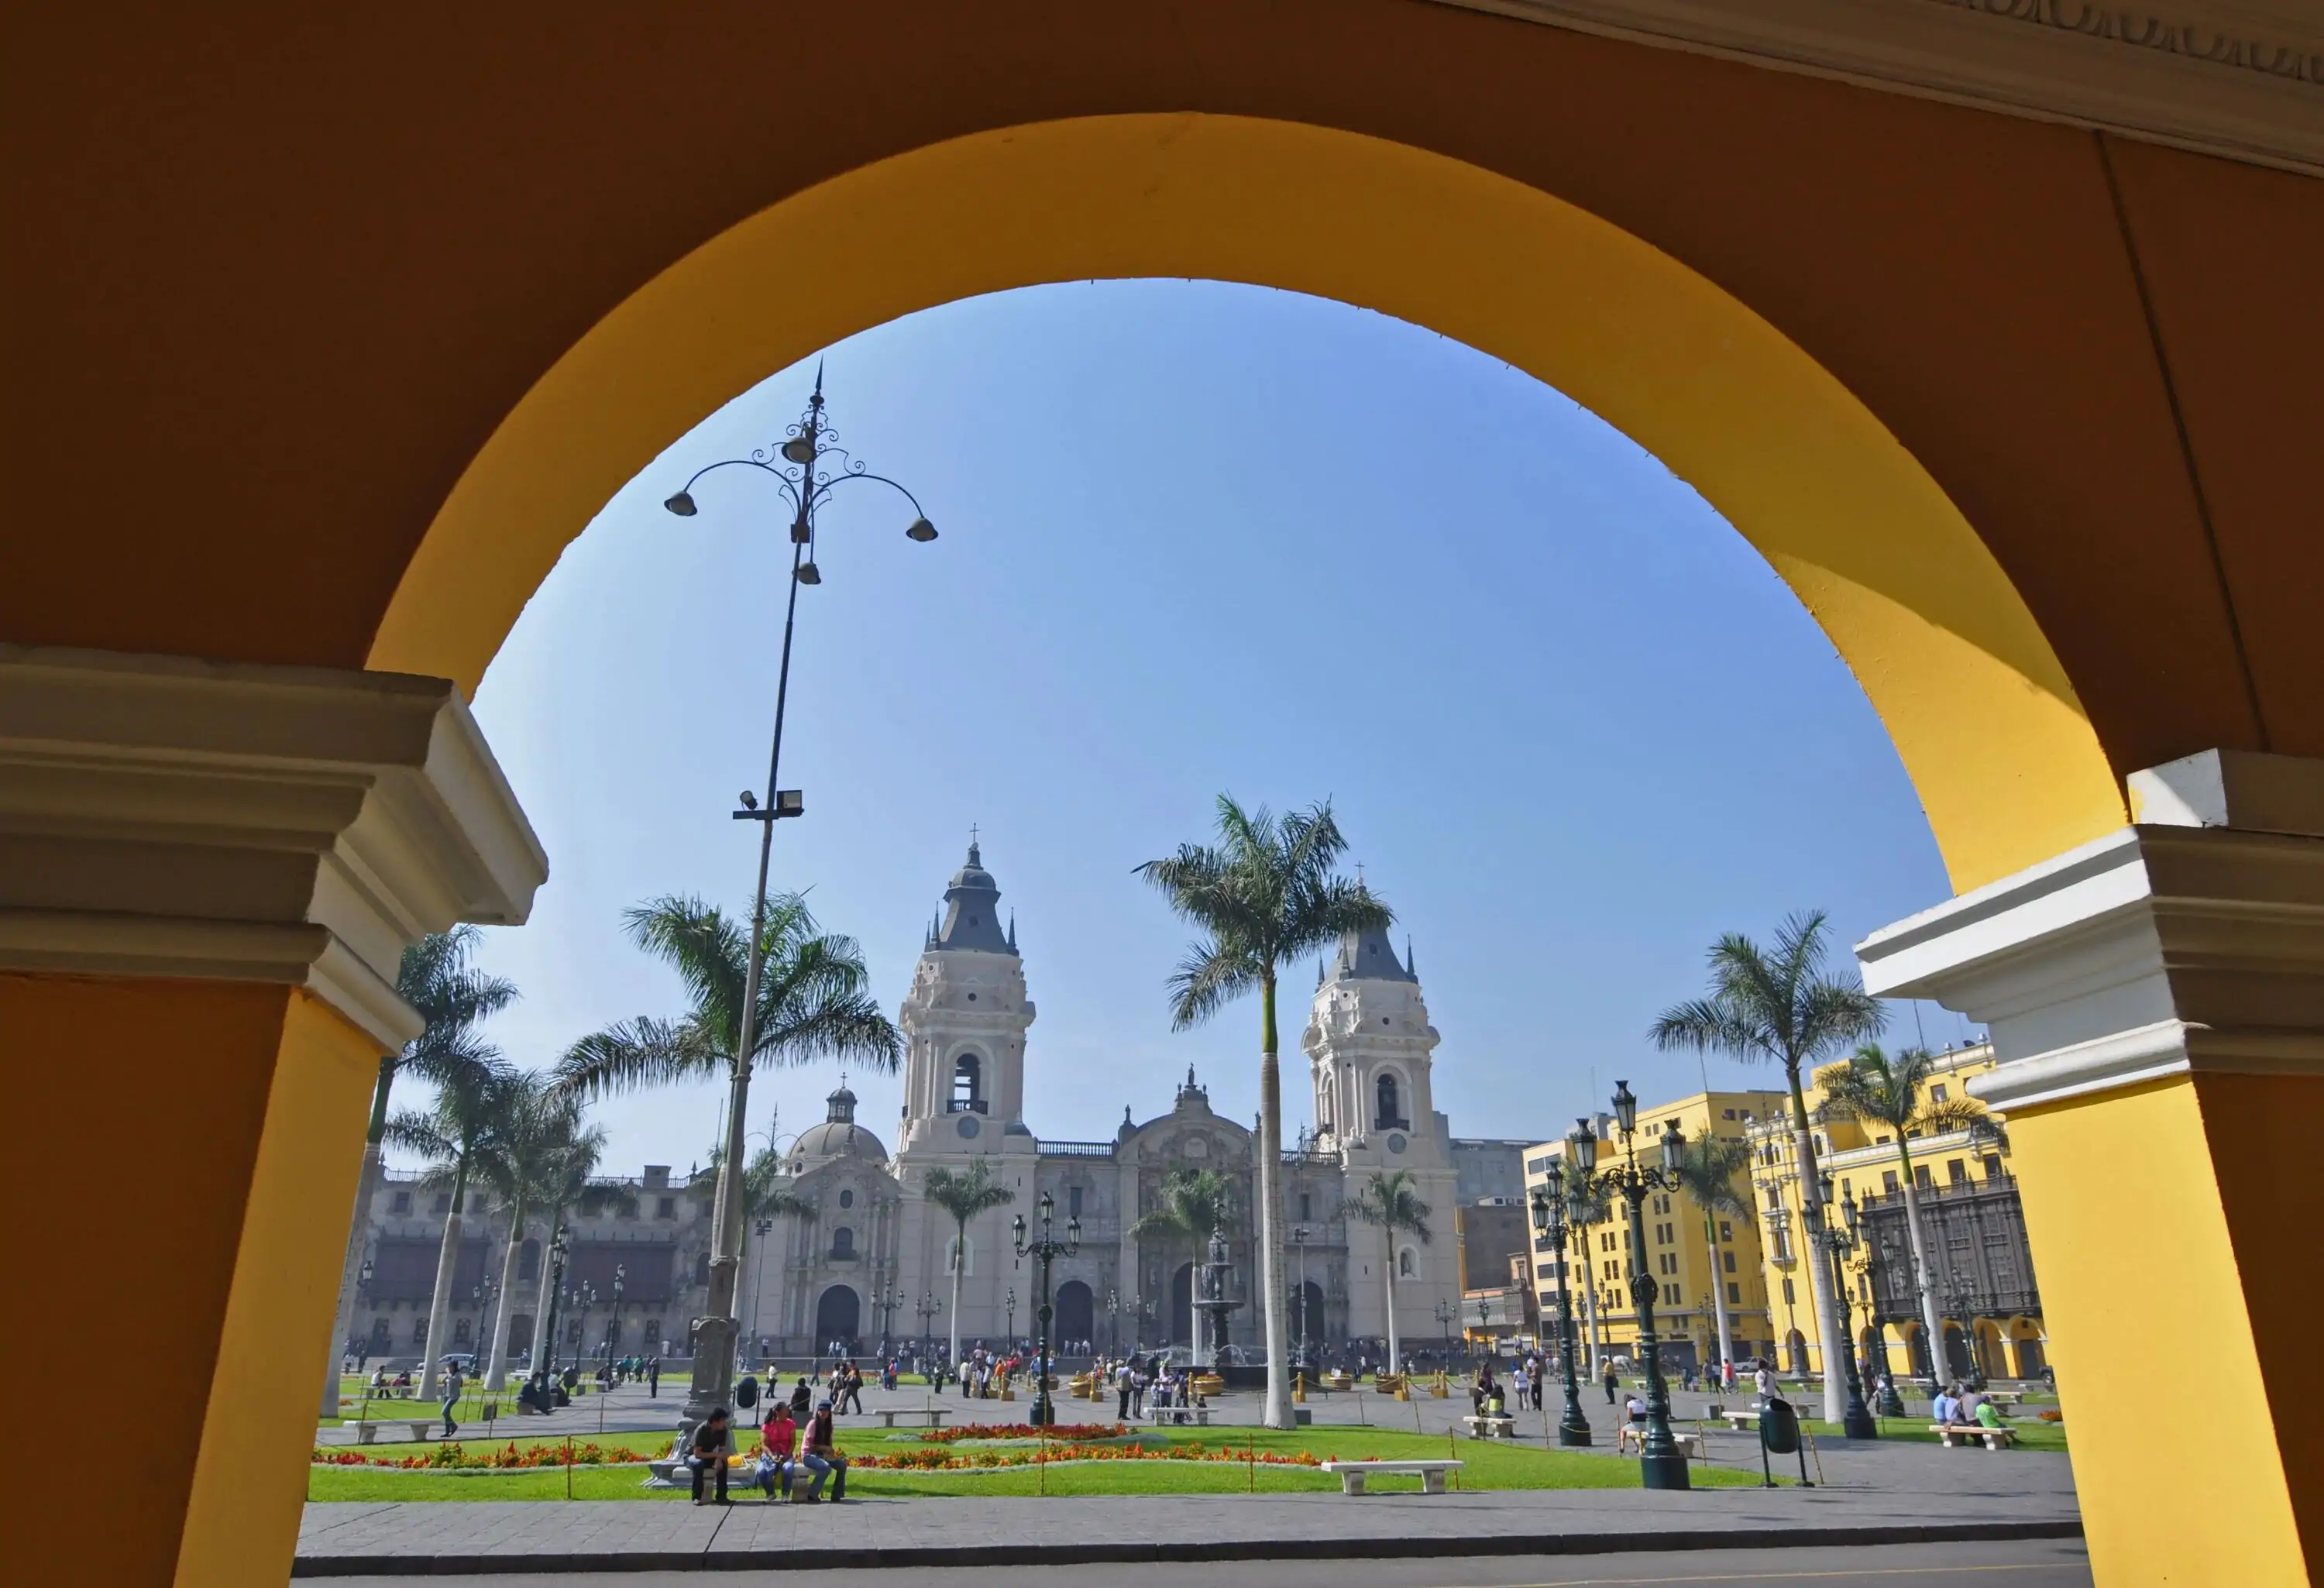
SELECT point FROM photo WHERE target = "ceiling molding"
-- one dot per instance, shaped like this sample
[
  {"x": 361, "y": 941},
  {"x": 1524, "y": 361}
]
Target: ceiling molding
[{"x": 2239, "y": 79}]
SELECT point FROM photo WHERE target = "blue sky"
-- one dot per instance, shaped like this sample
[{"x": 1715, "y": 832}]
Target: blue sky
[{"x": 1198, "y": 537}]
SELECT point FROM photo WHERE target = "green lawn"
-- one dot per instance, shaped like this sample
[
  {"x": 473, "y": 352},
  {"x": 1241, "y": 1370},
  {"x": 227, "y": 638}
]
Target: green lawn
[
  {"x": 1491, "y": 1465},
  {"x": 2032, "y": 1433}
]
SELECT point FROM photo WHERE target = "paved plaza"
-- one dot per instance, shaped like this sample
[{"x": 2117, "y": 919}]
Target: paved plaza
[
  {"x": 2036, "y": 1564},
  {"x": 1886, "y": 1492}
]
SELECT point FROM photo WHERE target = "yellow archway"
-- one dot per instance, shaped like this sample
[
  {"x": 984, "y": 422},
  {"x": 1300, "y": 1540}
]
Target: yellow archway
[{"x": 1977, "y": 703}]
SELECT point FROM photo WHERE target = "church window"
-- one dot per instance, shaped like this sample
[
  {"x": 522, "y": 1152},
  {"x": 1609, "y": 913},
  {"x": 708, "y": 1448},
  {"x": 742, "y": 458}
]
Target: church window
[
  {"x": 967, "y": 1084},
  {"x": 1404, "y": 1265},
  {"x": 847, "y": 1197},
  {"x": 1306, "y": 1207},
  {"x": 1073, "y": 1202},
  {"x": 843, "y": 1241},
  {"x": 1390, "y": 1110}
]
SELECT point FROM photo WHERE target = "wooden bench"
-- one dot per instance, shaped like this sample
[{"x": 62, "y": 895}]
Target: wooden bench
[
  {"x": 1627, "y": 1434},
  {"x": 932, "y": 1416},
  {"x": 1491, "y": 1427},
  {"x": 1430, "y": 1472},
  {"x": 1994, "y": 1438}
]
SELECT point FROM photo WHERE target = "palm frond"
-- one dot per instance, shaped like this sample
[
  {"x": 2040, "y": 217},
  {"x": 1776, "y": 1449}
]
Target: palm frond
[{"x": 637, "y": 1054}]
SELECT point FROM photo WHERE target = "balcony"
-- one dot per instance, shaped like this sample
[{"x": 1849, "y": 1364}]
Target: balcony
[{"x": 1075, "y": 1149}]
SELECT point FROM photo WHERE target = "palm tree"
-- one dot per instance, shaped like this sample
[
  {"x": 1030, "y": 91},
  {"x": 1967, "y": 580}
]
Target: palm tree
[
  {"x": 963, "y": 1196},
  {"x": 1779, "y": 1007},
  {"x": 1707, "y": 1175},
  {"x": 1881, "y": 1090},
  {"x": 1388, "y": 1203},
  {"x": 766, "y": 1196},
  {"x": 453, "y": 1134},
  {"x": 569, "y": 1184},
  {"x": 813, "y": 1001},
  {"x": 452, "y": 998},
  {"x": 1191, "y": 1204},
  {"x": 526, "y": 1160},
  {"x": 1265, "y": 895}
]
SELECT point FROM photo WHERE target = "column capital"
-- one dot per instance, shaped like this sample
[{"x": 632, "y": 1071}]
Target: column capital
[
  {"x": 2191, "y": 941},
  {"x": 162, "y": 815}
]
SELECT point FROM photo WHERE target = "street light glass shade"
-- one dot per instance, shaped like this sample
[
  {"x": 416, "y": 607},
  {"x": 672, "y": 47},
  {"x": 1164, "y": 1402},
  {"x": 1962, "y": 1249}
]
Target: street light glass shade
[
  {"x": 800, "y": 449},
  {"x": 1540, "y": 1213},
  {"x": 1016, "y": 1226},
  {"x": 921, "y": 531},
  {"x": 808, "y": 574},
  {"x": 1673, "y": 1146},
  {"x": 682, "y": 504},
  {"x": 1584, "y": 1141},
  {"x": 1626, "y": 1107}
]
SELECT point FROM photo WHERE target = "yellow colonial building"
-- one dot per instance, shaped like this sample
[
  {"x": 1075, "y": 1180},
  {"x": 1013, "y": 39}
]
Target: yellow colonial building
[
  {"x": 1710, "y": 1267},
  {"x": 1972, "y": 1235}
]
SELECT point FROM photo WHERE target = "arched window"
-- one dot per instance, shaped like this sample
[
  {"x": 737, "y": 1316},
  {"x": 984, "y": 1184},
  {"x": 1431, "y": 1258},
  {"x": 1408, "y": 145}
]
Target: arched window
[
  {"x": 847, "y": 1197},
  {"x": 843, "y": 1241},
  {"x": 1391, "y": 1111},
  {"x": 528, "y": 1261},
  {"x": 1406, "y": 1267},
  {"x": 967, "y": 1085}
]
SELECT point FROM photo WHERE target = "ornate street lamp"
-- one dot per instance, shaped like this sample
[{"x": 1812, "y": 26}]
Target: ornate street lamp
[
  {"x": 801, "y": 472},
  {"x": 1009, "y": 1301},
  {"x": 1856, "y": 1420},
  {"x": 1661, "y": 1463},
  {"x": 1553, "y": 1212},
  {"x": 1306, "y": 1332},
  {"x": 1044, "y": 1249},
  {"x": 1445, "y": 1312}
]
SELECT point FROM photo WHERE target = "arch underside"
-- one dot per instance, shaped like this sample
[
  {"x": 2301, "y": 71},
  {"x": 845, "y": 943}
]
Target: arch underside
[{"x": 1974, "y": 700}]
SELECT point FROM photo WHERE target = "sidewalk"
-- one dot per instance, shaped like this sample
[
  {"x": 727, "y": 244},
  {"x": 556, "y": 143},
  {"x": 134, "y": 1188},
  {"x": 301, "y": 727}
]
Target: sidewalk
[{"x": 432, "y": 1538}]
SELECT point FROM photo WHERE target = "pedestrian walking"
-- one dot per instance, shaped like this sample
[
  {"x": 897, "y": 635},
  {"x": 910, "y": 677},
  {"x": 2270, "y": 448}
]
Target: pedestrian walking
[
  {"x": 653, "y": 1378},
  {"x": 1610, "y": 1381},
  {"x": 453, "y": 1386}
]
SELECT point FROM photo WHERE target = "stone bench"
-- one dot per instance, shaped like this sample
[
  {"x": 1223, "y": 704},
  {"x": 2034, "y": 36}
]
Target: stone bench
[
  {"x": 927, "y": 1416},
  {"x": 1742, "y": 1422},
  {"x": 1491, "y": 1427},
  {"x": 1200, "y": 1416},
  {"x": 1629, "y": 1436},
  {"x": 1430, "y": 1472},
  {"x": 1994, "y": 1438}
]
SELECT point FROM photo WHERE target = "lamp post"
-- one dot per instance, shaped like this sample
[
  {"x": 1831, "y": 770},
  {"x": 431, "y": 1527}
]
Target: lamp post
[
  {"x": 1009, "y": 1302},
  {"x": 802, "y": 476},
  {"x": 1299, "y": 1244},
  {"x": 1553, "y": 1212},
  {"x": 1886, "y": 1402},
  {"x": 1484, "y": 1326},
  {"x": 583, "y": 1296},
  {"x": 1661, "y": 1463},
  {"x": 1112, "y": 1321},
  {"x": 1044, "y": 1249},
  {"x": 614, "y": 1323},
  {"x": 544, "y": 1365},
  {"x": 1445, "y": 1312},
  {"x": 1856, "y": 1421},
  {"x": 487, "y": 1291},
  {"x": 1961, "y": 1296}
]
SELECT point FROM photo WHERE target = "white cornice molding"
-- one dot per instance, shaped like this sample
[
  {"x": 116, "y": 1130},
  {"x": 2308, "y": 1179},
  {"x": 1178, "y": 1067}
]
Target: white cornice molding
[
  {"x": 160, "y": 816},
  {"x": 2239, "y": 79},
  {"x": 2159, "y": 950}
]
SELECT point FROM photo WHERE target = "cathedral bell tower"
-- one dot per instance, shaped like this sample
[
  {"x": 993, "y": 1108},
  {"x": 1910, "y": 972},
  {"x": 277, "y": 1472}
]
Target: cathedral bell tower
[
  {"x": 1369, "y": 1048},
  {"x": 965, "y": 1022}
]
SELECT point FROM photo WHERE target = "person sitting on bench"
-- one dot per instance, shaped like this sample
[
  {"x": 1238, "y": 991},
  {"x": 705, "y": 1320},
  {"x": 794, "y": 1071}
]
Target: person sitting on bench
[
  {"x": 707, "y": 1453},
  {"x": 777, "y": 1448}
]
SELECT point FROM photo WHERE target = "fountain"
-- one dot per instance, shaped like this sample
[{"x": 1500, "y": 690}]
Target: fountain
[{"x": 1210, "y": 1300}]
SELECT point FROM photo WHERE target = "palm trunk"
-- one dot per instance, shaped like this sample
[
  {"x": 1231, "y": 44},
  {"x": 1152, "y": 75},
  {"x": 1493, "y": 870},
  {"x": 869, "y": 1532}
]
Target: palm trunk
[
  {"x": 1277, "y": 1412},
  {"x": 1932, "y": 1317},
  {"x": 439, "y": 1306},
  {"x": 496, "y": 1372},
  {"x": 358, "y": 1232},
  {"x": 1717, "y": 1287},
  {"x": 1818, "y": 1262},
  {"x": 545, "y": 1298},
  {"x": 1389, "y": 1273},
  {"x": 959, "y": 1262}
]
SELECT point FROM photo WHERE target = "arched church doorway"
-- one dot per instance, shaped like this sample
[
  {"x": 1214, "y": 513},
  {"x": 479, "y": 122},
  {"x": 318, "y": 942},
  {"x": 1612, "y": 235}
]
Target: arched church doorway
[
  {"x": 1076, "y": 1319},
  {"x": 1179, "y": 1326},
  {"x": 838, "y": 1316},
  {"x": 1309, "y": 1325},
  {"x": 1957, "y": 1360}
]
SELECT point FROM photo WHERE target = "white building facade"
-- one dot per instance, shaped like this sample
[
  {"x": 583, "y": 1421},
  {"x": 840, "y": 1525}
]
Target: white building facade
[{"x": 872, "y": 1261}]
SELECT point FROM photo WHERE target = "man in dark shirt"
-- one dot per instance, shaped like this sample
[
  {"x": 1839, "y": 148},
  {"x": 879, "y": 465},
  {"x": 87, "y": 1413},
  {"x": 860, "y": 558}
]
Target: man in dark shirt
[{"x": 707, "y": 1453}]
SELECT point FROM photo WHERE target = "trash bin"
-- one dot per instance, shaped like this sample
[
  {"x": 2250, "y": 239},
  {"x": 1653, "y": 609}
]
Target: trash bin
[{"x": 1779, "y": 1427}]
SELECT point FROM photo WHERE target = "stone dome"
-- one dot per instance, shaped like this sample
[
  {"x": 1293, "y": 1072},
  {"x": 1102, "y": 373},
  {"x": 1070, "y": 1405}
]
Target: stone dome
[{"x": 839, "y": 1136}]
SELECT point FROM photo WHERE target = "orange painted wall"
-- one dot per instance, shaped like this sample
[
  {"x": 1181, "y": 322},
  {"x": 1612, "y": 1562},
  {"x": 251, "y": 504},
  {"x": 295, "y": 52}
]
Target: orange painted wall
[
  {"x": 277, "y": 271},
  {"x": 135, "y": 1109}
]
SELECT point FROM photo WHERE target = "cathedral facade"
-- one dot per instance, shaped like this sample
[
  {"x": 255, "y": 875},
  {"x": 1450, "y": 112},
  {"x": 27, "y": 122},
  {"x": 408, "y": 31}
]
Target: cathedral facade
[{"x": 874, "y": 1260}]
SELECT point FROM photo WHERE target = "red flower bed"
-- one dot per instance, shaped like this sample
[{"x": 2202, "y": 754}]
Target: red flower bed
[
  {"x": 939, "y": 1460},
  {"x": 451, "y": 1456},
  {"x": 1055, "y": 1433}
]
